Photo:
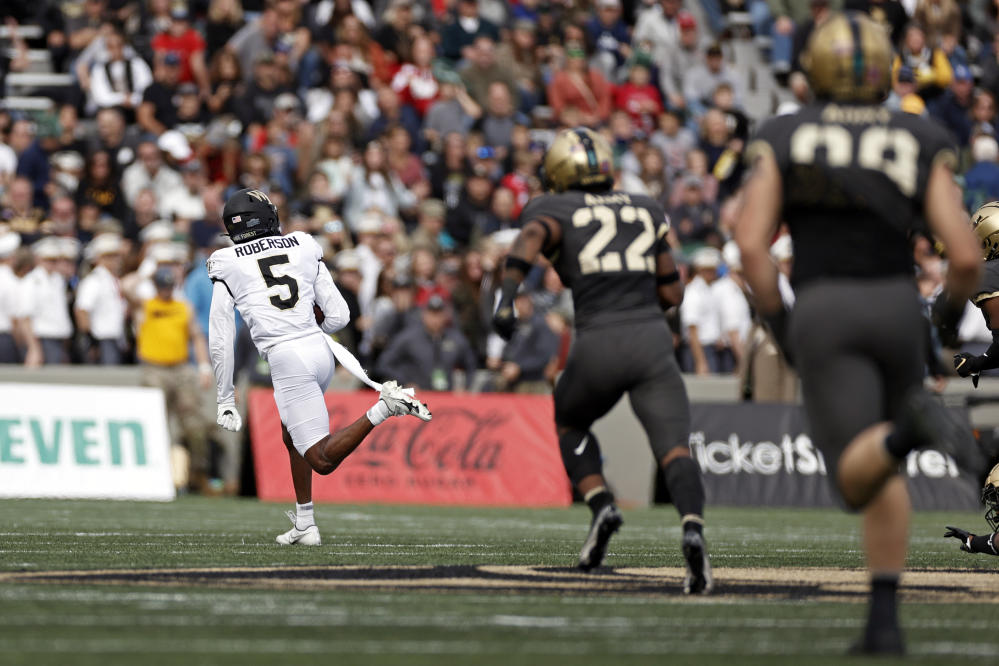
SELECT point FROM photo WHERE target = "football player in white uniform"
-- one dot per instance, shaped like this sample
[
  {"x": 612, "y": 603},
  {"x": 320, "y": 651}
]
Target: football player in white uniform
[{"x": 283, "y": 291}]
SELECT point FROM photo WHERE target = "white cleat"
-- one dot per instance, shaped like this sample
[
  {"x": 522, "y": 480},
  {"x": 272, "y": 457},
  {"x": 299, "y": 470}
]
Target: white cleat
[
  {"x": 307, "y": 537},
  {"x": 401, "y": 402}
]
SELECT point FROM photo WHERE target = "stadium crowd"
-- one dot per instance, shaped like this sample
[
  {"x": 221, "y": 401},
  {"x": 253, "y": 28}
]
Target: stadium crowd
[{"x": 406, "y": 135}]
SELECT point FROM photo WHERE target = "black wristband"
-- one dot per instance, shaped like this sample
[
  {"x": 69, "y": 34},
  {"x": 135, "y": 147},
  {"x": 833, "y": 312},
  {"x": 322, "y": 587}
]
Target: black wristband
[
  {"x": 984, "y": 544},
  {"x": 519, "y": 264},
  {"x": 669, "y": 278}
]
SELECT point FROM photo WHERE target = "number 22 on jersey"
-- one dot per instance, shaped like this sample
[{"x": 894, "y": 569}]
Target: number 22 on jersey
[{"x": 594, "y": 256}]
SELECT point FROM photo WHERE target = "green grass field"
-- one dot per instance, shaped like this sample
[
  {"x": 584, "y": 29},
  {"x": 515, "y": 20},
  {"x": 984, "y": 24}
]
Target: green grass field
[{"x": 303, "y": 611}]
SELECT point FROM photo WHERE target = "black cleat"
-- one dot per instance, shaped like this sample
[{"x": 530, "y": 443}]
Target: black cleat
[
  {"x": 605, "y": 523},
  {"x": 699, "y": 579},
  {"x": 885, "y": 642}
]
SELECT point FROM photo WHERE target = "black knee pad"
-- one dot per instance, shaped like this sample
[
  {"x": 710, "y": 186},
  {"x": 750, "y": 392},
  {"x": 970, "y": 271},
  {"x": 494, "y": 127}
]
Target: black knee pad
[{"x": 580, "y": 454}]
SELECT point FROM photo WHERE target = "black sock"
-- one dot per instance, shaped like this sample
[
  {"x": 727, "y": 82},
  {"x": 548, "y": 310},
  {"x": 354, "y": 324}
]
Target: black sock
[
  {"x": 599, "y": 500},
  {"x": 884, "y": 608},
  {"x": 693, "y": 526},
  {"x": 683, "y": 480}
]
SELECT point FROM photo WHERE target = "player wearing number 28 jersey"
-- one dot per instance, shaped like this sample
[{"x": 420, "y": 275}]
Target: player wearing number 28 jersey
[
  {"x": 610, "y": 249},
  {"x": 277, "y": 282},
  {"x": 853, "y": 181}
]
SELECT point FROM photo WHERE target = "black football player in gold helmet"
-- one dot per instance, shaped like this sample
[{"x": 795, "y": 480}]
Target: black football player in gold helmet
[
  {"x": 610, "y": 249},
  {"x": 988, "y": 543},
  {"x": 986, "y": 296},
  {"x": 852, "y": 180}
]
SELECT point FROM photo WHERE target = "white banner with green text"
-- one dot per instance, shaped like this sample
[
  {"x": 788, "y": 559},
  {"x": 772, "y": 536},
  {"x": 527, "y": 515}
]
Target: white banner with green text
[{"x": 84, "y": 442}]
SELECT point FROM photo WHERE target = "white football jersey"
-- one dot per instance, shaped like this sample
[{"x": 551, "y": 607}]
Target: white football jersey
[{"x": 272, "y": 281}]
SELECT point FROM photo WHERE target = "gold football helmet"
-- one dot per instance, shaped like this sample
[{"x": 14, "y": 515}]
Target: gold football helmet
[
  {"x": 578, "y": 159},
  {"x": 990, "y": 498},
  {"x": 986, "y": 224},
  {"x": 848, "y": 59}
]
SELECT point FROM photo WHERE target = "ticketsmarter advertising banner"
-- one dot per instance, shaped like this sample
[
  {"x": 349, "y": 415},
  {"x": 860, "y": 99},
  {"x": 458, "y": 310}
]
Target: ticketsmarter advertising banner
[{"x": 762, "y": 455}]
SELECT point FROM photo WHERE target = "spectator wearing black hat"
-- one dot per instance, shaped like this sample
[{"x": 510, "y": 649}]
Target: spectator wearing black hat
[
  {"x": 700, "y": 82},
  {"x": 392, "y": 312},
  {"x": 468, "y": 221},
  {"x": 427, "y": 353},
  {"x": 903, "y": 87}
]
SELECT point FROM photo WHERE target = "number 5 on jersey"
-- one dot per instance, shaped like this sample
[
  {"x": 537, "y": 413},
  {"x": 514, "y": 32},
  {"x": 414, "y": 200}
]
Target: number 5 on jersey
[
  {"x": 594, "y": 257},
  {"x": 279, "y": 282}
]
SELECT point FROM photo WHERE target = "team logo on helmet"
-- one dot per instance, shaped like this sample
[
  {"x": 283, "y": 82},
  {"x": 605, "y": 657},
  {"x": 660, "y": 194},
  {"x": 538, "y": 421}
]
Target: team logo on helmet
[{"x": 258, "y": 195}]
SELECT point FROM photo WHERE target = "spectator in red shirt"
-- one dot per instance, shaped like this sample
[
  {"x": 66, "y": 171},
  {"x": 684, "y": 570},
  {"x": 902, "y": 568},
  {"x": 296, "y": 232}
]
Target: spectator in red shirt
[
  {"x": 638, "y": 97},
  {"x": 186, "y": 42},
  {"x": 579, "y": 88},
  {"x": 415, "y": 81}
]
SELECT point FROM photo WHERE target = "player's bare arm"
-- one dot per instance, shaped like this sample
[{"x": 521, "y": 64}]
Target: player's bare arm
[
  {"x": 950, "y": 224},
  {"x": 755, "y": 228}
]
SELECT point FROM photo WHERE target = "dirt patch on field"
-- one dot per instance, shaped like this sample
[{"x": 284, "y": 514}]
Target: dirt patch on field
[{"x": 823, "y": 584}]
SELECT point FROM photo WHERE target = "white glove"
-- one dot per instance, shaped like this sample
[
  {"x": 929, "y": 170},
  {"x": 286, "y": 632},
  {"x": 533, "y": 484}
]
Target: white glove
[{"x": 228, "y": 417}]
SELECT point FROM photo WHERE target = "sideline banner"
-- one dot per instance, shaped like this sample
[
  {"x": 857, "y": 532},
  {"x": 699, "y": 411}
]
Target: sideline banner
[
  {"x": 83, "y": 442},
  {"x": 484, "y": 449},
  {"x": 762, "y": 455}
]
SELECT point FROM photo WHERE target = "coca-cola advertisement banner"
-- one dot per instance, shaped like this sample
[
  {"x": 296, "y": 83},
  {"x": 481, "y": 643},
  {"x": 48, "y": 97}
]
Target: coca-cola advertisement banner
[
  {"x": 485, "y": 450},
  {"x": 762, "y": 455}
]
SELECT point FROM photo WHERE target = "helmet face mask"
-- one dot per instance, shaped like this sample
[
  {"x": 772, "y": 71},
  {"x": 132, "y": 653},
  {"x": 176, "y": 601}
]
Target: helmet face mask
[
  {"x": 578, "y": 159},
  {"x": 248, "y": 215},
  {"x": 986, "y": 224},
  {"x": 848, "y": 59},
  {"x": 990, "y": 498}
]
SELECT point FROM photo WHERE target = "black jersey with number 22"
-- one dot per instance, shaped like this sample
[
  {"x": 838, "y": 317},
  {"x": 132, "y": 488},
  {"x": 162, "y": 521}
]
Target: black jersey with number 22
[{"x": 607, "y": 255}]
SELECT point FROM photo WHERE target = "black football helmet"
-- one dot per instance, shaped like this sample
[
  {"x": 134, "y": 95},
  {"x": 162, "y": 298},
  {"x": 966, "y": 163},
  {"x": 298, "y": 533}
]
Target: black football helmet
[{"x": 248, "y": 215}]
